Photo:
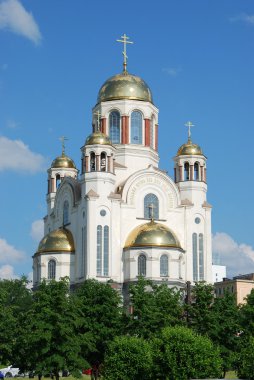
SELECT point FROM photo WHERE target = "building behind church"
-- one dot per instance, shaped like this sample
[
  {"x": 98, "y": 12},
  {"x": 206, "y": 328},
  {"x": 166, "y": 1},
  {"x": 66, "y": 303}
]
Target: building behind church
[{"x": 121, "y": 216}]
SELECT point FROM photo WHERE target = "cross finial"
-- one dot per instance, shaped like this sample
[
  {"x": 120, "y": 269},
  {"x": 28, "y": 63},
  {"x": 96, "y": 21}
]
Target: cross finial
[
  {"x": 63, "y": 139},
  {"x": 151, "y": 211},
  {"x": 98, "y": 114},
  {"x": 189, "y": 125},
  {"x": 125, "y": 41}
]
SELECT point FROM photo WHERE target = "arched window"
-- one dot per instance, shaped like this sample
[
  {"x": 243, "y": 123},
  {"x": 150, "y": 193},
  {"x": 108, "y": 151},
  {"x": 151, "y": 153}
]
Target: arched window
[
  {"x": 51, "y": 270},
  {"x": 58, "y": 180},
  {"x": 152, "y": 132},
  {"x": 142, "y": 265},
  {"x": 38, "y": 270},
  {"x": 164, "y": 266},
  {"x": 136, "y": 127},
  {"x": 99, "y": 251},
  {"x": 196, "y": 171},
  {"x": 114, "y": 127},
  {"x": 92, "y": 162},
  {"x": 65, "y": 213},
  {"x": 102, "y": 251},
  {"x": 198, "y": 257},
  {"x": 151, "y": 206},
  {"x": 186, "y": 171},
  {"x": 103, "y": 161}
]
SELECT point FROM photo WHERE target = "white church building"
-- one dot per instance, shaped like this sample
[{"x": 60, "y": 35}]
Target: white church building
[{"x": 120, "y": 216}]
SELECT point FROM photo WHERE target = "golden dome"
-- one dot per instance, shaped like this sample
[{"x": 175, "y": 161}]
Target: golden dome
[
  {"x": 152, "y": 235},
  {"x": 189, "y": 149},
  {"x": 125, "y": 86},
  {"x": 63, "y": 161},
  {"x": 98, "y": 138},
  {"x": 59, "y": 240}
]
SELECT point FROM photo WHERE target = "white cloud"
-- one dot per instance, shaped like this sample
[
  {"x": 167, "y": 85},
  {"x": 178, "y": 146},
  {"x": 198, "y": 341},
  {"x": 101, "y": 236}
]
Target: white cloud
[
  {"x": 239, "y": 258},
  {"x": 172, "y": 71},
  {"x": 15, "y": 155},
  {"x": 8, "y": 253},
  {"x": 7, "y": 272},
  {"x": 14, "y": 17},
  {"x": 37, "y": 230},
  {"x": 247, "y": 18}
]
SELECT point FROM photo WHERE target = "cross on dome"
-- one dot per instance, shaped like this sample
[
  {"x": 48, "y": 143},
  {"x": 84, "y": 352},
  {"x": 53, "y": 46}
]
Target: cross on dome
[
  {"x": 189, "y": 125},
  {"x": 125, "y": 57},
  {"x": 63, "y": 139}
]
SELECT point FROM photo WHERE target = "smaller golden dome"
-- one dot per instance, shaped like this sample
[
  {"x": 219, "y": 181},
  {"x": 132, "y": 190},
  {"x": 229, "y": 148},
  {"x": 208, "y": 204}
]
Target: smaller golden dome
[
  {"x": 189, "y": 149},
  {"x": 152, "y": 235},
  {"x": 98, "y": 138},
  {"x": 60, "y": 240},
  {"x": 63, "y": 161}
]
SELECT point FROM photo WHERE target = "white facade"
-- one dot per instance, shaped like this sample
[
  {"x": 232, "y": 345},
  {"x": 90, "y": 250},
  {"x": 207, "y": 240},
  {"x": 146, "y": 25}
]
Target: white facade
[
  {"x": 219, "y": 272},
  {"x": 120, "y": 187}
]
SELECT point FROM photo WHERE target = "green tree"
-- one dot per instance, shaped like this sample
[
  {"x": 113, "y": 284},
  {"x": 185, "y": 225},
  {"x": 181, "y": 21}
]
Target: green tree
[
  {"x": 52, "y": 340},
  {"x": 15, "y": 300},
  {"x": 181, "y": 354},
  {"x": 247, "y": 315},
  {"x": 101, "y": 309},
  {"x": 245, "y": 362},
  {"x": 128, "y": 358},
  {"x": 153, "y": 307}
]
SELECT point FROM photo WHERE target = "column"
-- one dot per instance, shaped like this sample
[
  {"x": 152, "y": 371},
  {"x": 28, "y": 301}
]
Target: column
[
  {"x": 103, "y": 125},
  {"x": 180, "y": 167},
  {"x": 191, "y": 172},
  {"x": 97, "y": 168},
  {"x": 147, "y": 132},
  {"x": 156, "y": 137}
]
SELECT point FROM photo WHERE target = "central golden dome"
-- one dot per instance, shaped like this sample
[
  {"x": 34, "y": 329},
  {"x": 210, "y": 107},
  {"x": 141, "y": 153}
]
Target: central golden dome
[
  {"x": 125, "y": 86},
  {"x": 152, "y": 235},
  {"x": 98, "y": 138},
  {"x": 60, "y": 240}
]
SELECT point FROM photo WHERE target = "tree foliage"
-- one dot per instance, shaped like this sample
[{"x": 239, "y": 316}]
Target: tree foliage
[
  {"x": 128, "y": 358},
  {"x": 245, "y": 362},
  {"x": 181, "y": 354}
]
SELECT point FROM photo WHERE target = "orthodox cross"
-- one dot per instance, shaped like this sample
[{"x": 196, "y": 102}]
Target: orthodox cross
[
  {"x": 151, "y": 211},
  {"x": 63, "y": 139},
  {"x": 125, "y": 57},
  {"x": 98, "y": 120},
  {"x": 189, "y": 125}
]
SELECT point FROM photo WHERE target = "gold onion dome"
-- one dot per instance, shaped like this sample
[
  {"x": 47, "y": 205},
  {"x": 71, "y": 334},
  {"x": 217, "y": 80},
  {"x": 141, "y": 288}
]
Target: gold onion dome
[
  {"x": 125, "y": 86},
  {"x": 63, "y": 161},
  {"x": 189, "y": 149},
  {"x": 152, "y": 235},
  {"x": 60, "y": 240},
  {"x": 98, "y": 138}
]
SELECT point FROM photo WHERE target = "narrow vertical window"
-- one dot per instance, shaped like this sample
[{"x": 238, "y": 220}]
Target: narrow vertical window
[
  {"x": 38, "y": 271},
  {"x": 196, "y": 171},
  {"x": 201, "y": 257},
  {"x": 114, "y": 127},
  {"x": 58, "y": 180},
  {"x": 195, "y": 256},
  {"x": 142, "y": 265},
  {"x": 186, "y": 171},
  {"x": 136, "y": 127},
  {"x": 106, "y": 250},
  {"x": 92, "y": 162},
  {"x": 65, "y": 213},
  {"x": 164, "y": 266},
  {"x": 99, "y": 251},
  {"x": 51, "y": 269},
  {"x": 103, "y": 161},
  {"x": 151, "y": 206}
]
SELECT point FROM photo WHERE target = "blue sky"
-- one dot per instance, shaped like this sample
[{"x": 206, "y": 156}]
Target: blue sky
[{"x": 197, "y": 57}]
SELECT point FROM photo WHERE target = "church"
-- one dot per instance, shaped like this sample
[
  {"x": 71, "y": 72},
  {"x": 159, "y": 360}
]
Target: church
[{"x": 120, "y": 216}]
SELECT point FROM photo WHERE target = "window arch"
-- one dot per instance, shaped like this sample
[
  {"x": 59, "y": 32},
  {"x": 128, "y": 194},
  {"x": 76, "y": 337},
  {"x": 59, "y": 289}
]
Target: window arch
[
  {"x": 51, "y": 270},
  {"x": 164, "y": 266},
  {"x": 196, "y": 171},
  {"x": 151, "y": 206},
  {"x": 186, "y": 171},
  {"x": 136, "y": 127},
  {"x": 65, "y": 213},
  {"x": 103, "y": 161},
  {"x": 114, "y": 127},
  {"x": 142, "y": 265},
  {"x": 92, "y": 162}
]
